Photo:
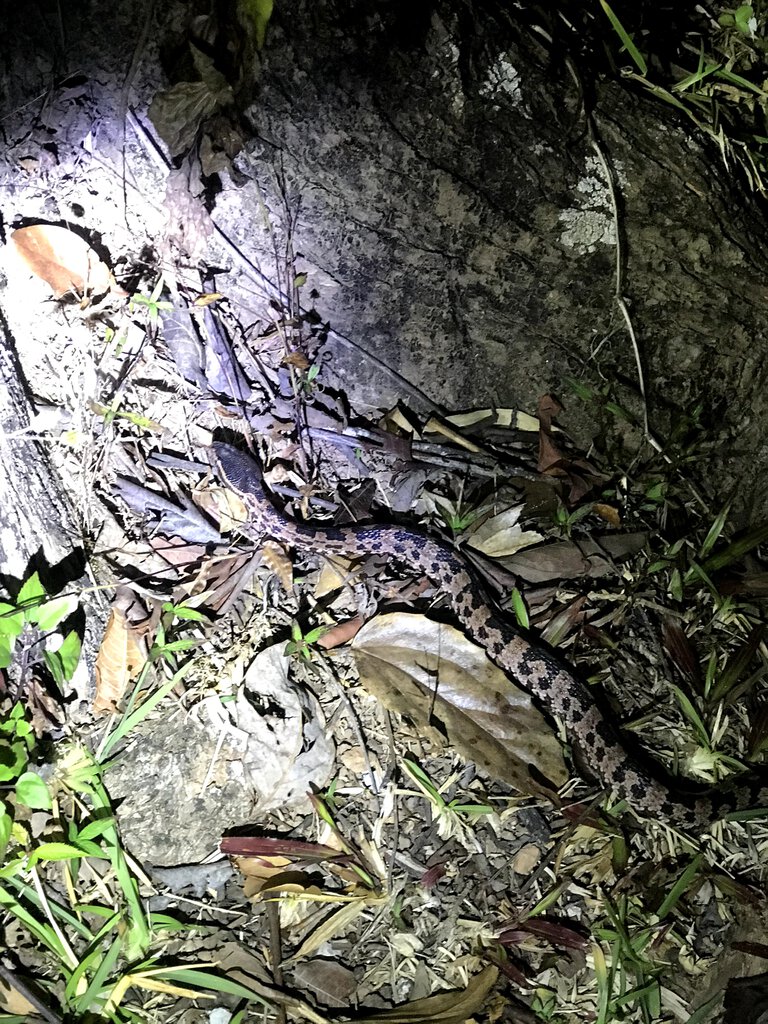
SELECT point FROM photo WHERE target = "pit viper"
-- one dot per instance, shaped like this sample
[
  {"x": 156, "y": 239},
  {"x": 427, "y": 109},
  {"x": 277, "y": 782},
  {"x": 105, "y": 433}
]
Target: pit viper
[{"x": 528, "y": 663}]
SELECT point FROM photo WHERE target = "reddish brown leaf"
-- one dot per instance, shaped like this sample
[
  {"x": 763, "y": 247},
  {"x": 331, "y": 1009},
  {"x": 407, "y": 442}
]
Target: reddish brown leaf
[
  {"x": 121, "y": 657},
  {"x": 293, "y": 849},
  {"x": 342, "y": 633},
  {"x": 681, "y": 653},
  {"x": 64, "y": 260}
]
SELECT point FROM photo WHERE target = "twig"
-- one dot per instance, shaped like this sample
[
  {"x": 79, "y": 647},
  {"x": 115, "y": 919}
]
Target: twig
[
  {"x": 276, "y": 952},
  {"x": 32, "y": 998}
]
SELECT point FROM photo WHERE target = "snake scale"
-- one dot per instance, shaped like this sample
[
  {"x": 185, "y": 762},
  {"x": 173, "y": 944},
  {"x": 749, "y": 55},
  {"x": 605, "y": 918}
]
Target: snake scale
[{"x": 529, "y": 664}]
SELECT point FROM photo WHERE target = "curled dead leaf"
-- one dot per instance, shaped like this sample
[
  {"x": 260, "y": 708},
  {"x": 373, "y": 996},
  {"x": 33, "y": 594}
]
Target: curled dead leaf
[
  {"x": 444, "y": 1008},
  {"x": 121, "y": 657}
]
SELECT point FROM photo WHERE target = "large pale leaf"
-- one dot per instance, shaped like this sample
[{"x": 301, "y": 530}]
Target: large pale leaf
[{"x": 416, "y": 666}]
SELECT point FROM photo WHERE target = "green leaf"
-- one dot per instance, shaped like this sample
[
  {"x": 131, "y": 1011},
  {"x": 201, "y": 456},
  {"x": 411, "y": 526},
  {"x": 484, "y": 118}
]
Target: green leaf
[
  {"x": 692, "y": 715},
  {"x": 211, "y": 982},
  {"x": 95, "y": 828},
  {"x": 314, "y": 634},
  {"x": 681, "y": 886},
  {"x": 51, "y": 613},
  {"x": 30, "y": 595},
  {"x": 13, "y": 759},
  {"x": 258, "y": 12},
  {"x": 744, "y": 17},
  {"x": 182, "y": 612},
  {"x": 518, "y": 607},
  {"x": 621, "y": 32},
  {"x": 737, "y": 549},
  {"x": 62, "y": 663},
  {"x": 737, "y": 665},
  {"x": 32, "y": 791},
  {"x": 582, "y": 391},
  {"x": 676, "y": 585},
  {"x": 6, "y": 824},
  {"x": 54, "y": 851},
  {"x": 713, "y": 534},
  {"x": 11, "y": 620},
  {"x": 6, "y": 650}
]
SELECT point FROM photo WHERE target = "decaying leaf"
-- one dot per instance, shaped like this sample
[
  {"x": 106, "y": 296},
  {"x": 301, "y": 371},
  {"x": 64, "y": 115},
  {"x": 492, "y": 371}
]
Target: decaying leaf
[
  {"x": 287, "y": 752},
  {"x": 439, "y": 426},
  {"x": 444, "y": 1008},
  {"x": 505, "y": 418},
  {"x": 281, "y": 565},
  {"x": 332, "y": 927},
  {"x": 335, "y": 572},
  {"x": 502, "y": 534},
  {"x": 64, "y": 260},
  {"x": 332, "y": 983},
  {"x": 178, "y": 113},
  {"x": 570, "y": 560},
  {"x": 435, "y": 675},
  {"x": 121, "y": 657}
]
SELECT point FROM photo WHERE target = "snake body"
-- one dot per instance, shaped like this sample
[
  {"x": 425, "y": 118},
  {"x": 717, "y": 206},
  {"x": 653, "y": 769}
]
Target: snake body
[{"x": 531, "y": 665}]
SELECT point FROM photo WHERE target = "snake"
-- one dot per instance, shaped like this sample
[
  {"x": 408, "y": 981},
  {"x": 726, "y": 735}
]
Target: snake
[{"x": 528, "y": 662}]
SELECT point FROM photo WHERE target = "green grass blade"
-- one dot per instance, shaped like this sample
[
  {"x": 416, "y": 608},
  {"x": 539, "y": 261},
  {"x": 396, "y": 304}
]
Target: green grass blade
[
  {"x": 622, "y": 33},
  {"x": 681, "y": 886}
]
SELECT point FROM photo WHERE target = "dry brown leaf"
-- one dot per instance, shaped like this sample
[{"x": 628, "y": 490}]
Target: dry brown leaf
[
  {"x": 562, "y": 624},
  {"x": 225, "y": 505},
  {"x": 14, "y": 1002},
  {"x": 120, "y": 659},
  {"x": 334, "y": 925},
  {"x": 437, "y": 426},
  {"x": 331, "y": 982},
  {"x": 607, "y": 513},
  {"x": 568, "y": 560},
  {"x": 445, "y": 1008},
  {"x": 205, "y": 300},
  {"x": 297, "y": 359},
  {"x": 336, "y": 571},
  {"x": 502, "y": 535},
  {"x": 64, "y": 260},
  {"x": 505, "y": 418},
  {"x": 402, "y": 657},
  {"x": 281, "y": 565}
]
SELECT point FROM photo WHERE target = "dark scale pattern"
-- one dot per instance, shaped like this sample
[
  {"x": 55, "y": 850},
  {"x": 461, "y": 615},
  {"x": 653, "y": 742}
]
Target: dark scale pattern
[{"x": 532, "y": 667}]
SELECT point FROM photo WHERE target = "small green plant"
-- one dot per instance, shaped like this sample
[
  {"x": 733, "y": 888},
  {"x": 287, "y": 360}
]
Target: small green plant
[
  {"x": 95, "y": 953},
  {"x": 456, "y": 515},
  {"x": 454, "y": 819},
  {"x": 723, "y": 94},
  {"x": 301, "y": 644},
  {"x": 152, "y": 302},
  {"x": 32, "y": 618},
  {"x": 165, "y": 648},
  {"x": 566, "y": 519}
]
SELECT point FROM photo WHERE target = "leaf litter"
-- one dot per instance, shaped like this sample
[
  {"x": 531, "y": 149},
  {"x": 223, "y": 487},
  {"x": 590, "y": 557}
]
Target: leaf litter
[{"x": 450, "y": 879}]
